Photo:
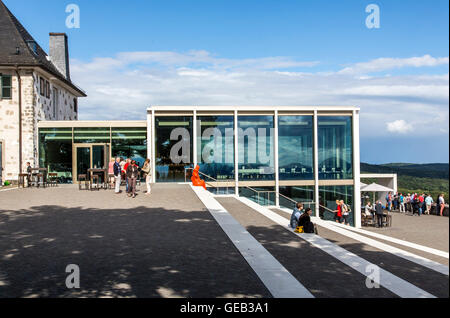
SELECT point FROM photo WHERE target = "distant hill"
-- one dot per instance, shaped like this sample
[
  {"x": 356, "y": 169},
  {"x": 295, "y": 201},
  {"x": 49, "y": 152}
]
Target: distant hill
[
  {"x": 429, "y": 178},
  {"x": 428, "y": 170}
]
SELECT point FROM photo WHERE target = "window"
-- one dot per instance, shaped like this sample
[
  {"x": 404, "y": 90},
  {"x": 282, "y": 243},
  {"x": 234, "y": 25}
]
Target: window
[
  {"x": 6, "y": 86},
  {"x": 33, "y": 46},
  {"x": 55, "y": 103},
  {"x": 335, "y": 147},
  {"x": 47, "y": 89},
  {"x": 42, "y": 86},
  {"x": 295, "y": 147},
  {"x": 256, "y": 148},
  {"x": 215, "y": 150},
  {"x": 75, "y": 105}
]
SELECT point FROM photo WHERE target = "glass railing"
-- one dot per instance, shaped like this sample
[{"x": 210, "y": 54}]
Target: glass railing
[{"x": 261, "y": 197}]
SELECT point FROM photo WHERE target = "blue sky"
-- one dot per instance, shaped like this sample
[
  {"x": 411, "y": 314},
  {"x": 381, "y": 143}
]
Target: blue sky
[{"x": 129, "y": 55}]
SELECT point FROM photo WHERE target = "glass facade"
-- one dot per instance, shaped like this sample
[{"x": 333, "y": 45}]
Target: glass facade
[
  {"x": 303, "y": 194},
  {"x": 215, "y": 150},
  {"x": 55, "y": 152},
  {"x": 56, "y": 148},
  {"x": 256, "y": 148},
  {"x": 328, "y": 196},
  {"x": 261, "y": 195},
  {"x": 173, "y": 147},
  {"x": 335, "y": 147},
  {"x": 295, "y": 147},
  {"x": 92, "y": 135},
  {"x": 129, "y": 143}
]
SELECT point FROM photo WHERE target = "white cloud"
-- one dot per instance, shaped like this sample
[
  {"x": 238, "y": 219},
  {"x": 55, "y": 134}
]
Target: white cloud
[
  {"x": 122, "y": 87},
  {"x": 399, "y": 126},
  {"x": 383, "y": 64}
]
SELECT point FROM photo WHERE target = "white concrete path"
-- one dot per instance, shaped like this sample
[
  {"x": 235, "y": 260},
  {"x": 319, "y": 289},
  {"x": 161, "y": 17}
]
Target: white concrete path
[
  {"x": 388, "y": 280},
  {"x": 348, "y": 231},
  {"x": 277, "y": 279},
  {"x": 395, "y": 240}
]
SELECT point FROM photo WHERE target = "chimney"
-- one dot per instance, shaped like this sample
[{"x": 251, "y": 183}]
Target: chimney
[{"x": 59, "y": 53}]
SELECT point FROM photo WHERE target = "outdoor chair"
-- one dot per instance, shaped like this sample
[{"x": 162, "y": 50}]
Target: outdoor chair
[
  {"x": 94, "y": 182},
  {"x": 52, "y": 179},
  {"x": 40, "y": 180},
  {"x": 367, "y": 220},
  {"x": 82, "y": 178}
]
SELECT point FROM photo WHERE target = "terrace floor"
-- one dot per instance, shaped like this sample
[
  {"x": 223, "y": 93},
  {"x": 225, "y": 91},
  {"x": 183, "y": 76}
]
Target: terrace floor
[{"x": 173, "y": 244}]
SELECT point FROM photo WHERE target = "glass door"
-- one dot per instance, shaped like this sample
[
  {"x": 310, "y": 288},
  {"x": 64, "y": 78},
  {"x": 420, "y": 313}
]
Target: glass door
[
  {"x": 89, "y": 156},
  {"x": 83, "y": 159}
]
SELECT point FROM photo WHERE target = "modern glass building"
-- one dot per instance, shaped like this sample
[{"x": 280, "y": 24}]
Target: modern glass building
[{"x": 273, "y": 154}]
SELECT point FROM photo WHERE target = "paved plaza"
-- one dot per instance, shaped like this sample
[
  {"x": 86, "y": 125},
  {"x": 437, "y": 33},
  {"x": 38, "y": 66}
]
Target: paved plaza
[{"x": 169, "y": 244}]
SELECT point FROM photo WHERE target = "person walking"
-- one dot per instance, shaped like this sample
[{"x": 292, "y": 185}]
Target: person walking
[
  {"x": 345, "y": 212},
  {"x": 338, "y": 212},
  {"x": 132, "y": 175},
  {"x": 147, "y": 175},
  {"x": 117, "y": 170},
  {"x": 379, "y": 214}
]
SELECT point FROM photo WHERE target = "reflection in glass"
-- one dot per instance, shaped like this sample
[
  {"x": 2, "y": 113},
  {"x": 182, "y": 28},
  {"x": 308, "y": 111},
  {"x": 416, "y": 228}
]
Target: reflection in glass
[
  {"x": 215, "y": 146},
  {"x": 83, "y": 161},
  {"x": 262, "y": 195},
  {"x": 328, "y": 196},
  {"x": 295, "y": 147},
  {"x": 173, "y": 145},
  {"x": 92, "y": 135},
  {"x": 130, "y": 143},
  {"x": 335, "y": 147},
  {"x": 55, "y": 152},
  {"x": 303, "y": 194},
  {"x": 256, "y": 148}
]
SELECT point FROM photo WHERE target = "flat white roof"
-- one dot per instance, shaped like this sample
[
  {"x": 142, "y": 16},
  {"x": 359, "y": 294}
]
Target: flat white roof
[
  {"x": 252, "y": 108},
  {"x": 91, "y": 123}
]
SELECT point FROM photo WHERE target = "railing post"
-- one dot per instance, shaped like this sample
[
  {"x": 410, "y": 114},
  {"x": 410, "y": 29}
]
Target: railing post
[
  {"x": 316, "y": 164},
  {"x": 277, "y": 170}
]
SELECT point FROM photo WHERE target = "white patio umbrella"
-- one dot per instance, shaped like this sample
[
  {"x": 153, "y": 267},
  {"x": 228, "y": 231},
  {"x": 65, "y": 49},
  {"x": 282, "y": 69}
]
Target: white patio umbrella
[{"x": 374, "y": 187}]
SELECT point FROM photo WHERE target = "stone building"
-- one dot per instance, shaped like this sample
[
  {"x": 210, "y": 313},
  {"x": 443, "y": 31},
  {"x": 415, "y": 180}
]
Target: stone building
[{"x": 34, "y": 86}]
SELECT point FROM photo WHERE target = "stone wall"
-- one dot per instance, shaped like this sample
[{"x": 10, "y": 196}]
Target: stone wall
[{"x": 34, "y": 108}]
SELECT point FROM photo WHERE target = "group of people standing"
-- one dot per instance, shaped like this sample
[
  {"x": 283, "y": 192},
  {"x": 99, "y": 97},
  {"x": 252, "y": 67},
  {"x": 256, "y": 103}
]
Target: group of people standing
[
  {"x": 375, "y": 210},
  {"x": 130, "y": 170},
  {"x": 415, "y": 203}
]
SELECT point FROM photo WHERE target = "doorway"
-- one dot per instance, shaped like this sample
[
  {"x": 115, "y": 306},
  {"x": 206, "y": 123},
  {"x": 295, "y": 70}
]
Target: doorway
[{"x": 89, "y": 156}]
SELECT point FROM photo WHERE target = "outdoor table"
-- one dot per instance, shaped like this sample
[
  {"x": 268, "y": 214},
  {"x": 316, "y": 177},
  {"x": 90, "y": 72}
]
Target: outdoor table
[
  {"x": 92, "y": 171},
  {"x": 35, "y": 172}
]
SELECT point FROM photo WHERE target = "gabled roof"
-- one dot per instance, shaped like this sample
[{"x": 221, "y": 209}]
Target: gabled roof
[{"x": 14, "y": 36}]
